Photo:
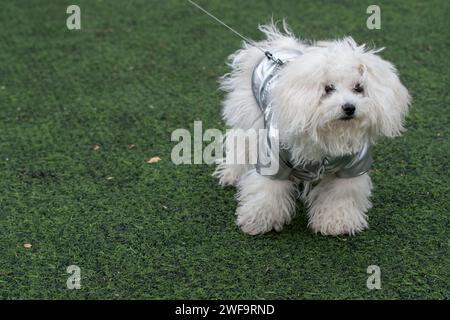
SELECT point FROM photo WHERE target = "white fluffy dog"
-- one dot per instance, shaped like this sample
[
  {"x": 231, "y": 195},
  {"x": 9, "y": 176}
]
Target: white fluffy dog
[{"x": 328, "y": 100}]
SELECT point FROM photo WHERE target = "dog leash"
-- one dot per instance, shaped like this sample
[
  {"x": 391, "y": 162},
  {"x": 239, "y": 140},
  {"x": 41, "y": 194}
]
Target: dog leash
[{"x": 267, "y": 53}]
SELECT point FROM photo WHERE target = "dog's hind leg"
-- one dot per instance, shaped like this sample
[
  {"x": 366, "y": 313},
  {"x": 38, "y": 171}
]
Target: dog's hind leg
[
  {"x": 229, "y": 174},
  {"x": 241, "y": 156}
]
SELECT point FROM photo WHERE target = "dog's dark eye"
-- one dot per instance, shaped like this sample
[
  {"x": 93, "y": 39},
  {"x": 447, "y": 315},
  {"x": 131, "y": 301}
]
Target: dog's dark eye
[
  {"x": 358, "y": 88},
  {"x": 329, "y": 88}
]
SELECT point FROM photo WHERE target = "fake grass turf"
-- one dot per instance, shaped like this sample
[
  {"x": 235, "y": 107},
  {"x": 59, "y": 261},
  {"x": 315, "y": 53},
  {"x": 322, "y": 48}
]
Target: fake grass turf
[{"x": 139, "y": 70}]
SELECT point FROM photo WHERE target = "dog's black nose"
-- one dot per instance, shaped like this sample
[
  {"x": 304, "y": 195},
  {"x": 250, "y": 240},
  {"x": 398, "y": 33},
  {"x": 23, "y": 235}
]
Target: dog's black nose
[{"x": 349, "y": 109}]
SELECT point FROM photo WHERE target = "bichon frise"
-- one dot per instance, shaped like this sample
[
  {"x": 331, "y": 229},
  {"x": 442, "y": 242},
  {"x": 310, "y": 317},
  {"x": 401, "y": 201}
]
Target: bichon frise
[{"x": 328, "y": 101}]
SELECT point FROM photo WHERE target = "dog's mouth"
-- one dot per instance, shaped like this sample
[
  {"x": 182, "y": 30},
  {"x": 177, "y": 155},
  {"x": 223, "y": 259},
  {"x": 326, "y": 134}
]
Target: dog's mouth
[{"x": 347, "y": 118}]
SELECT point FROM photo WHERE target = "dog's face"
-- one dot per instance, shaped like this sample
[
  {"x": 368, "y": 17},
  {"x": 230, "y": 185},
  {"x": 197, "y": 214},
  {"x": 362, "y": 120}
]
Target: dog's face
[{"x": 340, "y": 96}]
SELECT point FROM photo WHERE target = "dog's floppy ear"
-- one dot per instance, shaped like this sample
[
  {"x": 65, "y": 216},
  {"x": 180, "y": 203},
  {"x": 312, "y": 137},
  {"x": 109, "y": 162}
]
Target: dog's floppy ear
[{"x": 390, "y": 97}]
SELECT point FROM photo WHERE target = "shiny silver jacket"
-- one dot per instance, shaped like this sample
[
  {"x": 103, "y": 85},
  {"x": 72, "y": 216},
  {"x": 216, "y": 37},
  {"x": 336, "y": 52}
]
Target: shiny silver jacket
[{"x": 264, "y": 76}]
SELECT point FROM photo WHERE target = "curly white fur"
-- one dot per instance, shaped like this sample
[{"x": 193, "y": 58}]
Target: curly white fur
[{"x": 311, "y": 125}]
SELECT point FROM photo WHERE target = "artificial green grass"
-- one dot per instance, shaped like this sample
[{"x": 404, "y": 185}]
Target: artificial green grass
[{"x": 139, "y": 70}]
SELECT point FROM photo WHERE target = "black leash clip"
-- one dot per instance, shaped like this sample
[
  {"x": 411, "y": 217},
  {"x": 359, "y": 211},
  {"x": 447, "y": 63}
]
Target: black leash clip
[{"x": 270, "y": 56}]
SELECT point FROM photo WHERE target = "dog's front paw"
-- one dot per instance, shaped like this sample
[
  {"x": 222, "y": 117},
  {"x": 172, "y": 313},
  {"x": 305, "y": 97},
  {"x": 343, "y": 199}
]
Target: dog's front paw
[
  {"x": 337, "y": 220},
  {"x": 264, "y": 204},
  {"x": 254, "y": 221}
]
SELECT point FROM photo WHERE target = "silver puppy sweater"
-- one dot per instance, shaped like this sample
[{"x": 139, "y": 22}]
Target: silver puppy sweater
[{"x": 348, "y": 166}]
